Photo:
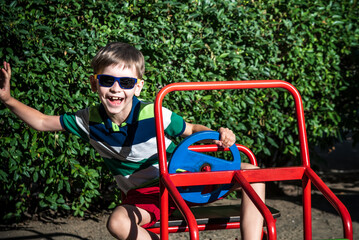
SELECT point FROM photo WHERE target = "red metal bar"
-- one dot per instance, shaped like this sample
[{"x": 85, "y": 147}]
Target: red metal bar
[
  {"x": 216, "y": 148},
  {"x": 307, "y": 208},
  {"x": 201, "y": 227},
  {"x": 334, "y": 201},
  {"x": 164, "y": 211},
  {"x": 225, "y": 177},
  {"x": 249, "y": 154},
  {"x": 273, "y": 174},
  {"x": 182, "y": 207},
  {"x": 257, "y": 201}
]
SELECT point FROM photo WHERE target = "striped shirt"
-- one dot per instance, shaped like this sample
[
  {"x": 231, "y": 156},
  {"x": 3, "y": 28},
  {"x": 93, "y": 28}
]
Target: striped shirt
[{"x": 129, "y": 150}]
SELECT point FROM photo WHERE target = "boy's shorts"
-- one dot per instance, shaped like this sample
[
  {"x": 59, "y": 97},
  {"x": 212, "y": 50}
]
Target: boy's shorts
[{"x": 149, "y": 200}]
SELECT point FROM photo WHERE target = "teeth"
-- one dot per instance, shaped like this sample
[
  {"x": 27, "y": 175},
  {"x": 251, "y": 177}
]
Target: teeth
[{"x": 115, "y": 98}]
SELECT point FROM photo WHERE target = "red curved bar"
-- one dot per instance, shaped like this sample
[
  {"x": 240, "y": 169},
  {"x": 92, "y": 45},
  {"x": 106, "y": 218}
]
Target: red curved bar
[
  {"x": 215, "y": 148},
  {"x": 252, "y": 158},
  {"x": 334, "y": 201},
  {"x": 182, "y": 206},
  {"x": 272, "y": 232},
  {"x": 190, "y": 86}
]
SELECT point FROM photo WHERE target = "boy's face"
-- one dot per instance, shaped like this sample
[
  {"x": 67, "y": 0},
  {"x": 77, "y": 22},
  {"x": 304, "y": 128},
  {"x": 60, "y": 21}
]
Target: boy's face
[{"x": 117, "y": 101}]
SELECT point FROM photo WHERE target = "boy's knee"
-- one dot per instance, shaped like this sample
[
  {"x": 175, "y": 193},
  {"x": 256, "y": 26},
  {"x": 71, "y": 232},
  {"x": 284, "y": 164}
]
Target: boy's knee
[
  {"x": 248, "y": 166},
  {"x": 118, "y": 224}
]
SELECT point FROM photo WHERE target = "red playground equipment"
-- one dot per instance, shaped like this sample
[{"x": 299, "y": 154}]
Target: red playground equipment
[{"x": 171, "y": 182}]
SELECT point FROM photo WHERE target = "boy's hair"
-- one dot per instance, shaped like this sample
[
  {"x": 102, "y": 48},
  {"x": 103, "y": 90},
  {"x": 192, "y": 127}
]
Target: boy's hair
[{"x": 118, "y": 53}]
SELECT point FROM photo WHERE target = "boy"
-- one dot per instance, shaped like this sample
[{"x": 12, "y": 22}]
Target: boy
[{"x": 121, "y": 129}]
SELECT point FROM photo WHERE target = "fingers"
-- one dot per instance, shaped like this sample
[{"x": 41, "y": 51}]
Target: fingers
[
  {"x": 7, "y": 67},
  {"x": 5, "y": 75},
  {"x": 6, "y": 71},
  {"x": 2, "y": 76},
  {"x": 227, "y": 138}
]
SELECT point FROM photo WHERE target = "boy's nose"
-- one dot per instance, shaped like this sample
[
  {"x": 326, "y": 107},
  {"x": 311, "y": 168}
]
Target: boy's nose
[{"x": 116, "y": 87}]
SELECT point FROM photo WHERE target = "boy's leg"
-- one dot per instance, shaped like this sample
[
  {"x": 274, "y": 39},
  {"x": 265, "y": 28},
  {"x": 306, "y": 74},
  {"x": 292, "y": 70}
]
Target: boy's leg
[
  {"x": 125, "y": 223},
  {"x": 251, "y": 218}
]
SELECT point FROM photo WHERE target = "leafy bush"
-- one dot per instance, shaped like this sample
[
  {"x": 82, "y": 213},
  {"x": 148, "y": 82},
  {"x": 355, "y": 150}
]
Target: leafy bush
[{"x": 50, "y": 44}]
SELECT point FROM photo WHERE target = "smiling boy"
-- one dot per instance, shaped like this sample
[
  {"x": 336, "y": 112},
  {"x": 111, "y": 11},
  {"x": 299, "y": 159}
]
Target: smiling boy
[{"x": 121, "y": 128}]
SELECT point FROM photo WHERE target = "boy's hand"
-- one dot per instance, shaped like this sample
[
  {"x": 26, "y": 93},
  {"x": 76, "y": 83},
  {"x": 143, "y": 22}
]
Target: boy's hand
[
  {"x": 227, "y": 138},
  {"x": 5, "y": 75}
]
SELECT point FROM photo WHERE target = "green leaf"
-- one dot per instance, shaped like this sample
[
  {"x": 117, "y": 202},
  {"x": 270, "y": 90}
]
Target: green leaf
[
  {"x": 112, "y": 205},
  {"x": 66, "y": 207},
  {"x": 272, "y": 142},
  {"x": 35, "y": 177},
  {"x": 45, "y": 58}
]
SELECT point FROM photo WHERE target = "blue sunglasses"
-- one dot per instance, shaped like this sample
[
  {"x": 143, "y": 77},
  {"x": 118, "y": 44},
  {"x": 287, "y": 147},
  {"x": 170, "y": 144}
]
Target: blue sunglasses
[{"x": 108, "y": 81}]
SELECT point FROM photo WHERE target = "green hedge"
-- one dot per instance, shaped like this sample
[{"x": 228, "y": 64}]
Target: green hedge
[{"x": 50, "y": 45}]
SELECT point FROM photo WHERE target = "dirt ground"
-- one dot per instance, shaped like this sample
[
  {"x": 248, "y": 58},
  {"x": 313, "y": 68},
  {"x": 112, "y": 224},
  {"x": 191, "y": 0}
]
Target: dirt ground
[{"x": 287, "y": 199}]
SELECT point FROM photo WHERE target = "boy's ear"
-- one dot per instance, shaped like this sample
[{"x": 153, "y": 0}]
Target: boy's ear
[
  {"x": 93, "y": 83},
  {"x": 138, "y": 87}
]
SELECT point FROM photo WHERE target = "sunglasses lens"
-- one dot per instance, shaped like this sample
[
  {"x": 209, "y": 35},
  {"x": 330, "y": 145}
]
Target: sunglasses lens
[
  {"x": 127, "y": 83},
  {"x": 106, "y": 81}
]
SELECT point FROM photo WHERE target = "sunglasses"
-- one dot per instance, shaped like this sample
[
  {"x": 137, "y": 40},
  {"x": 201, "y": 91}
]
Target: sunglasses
[{"x": 108, "y": 81}]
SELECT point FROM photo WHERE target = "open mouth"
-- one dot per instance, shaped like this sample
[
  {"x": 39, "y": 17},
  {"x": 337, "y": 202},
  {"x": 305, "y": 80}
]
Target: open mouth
[{"x": 115, "y": 100}]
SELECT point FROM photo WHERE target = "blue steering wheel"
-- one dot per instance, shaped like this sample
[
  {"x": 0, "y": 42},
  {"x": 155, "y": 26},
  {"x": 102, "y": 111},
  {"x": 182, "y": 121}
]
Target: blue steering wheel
[{"x": 185, "y": 160}]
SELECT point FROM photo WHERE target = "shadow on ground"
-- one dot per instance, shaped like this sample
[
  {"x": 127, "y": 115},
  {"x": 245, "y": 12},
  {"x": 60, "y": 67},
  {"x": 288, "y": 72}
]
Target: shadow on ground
[{"x": 33, "y": 234}]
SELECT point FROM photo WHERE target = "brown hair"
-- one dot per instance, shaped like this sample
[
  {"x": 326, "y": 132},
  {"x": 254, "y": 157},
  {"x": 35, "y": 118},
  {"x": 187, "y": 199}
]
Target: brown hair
[{"x": 118, "y": 53}]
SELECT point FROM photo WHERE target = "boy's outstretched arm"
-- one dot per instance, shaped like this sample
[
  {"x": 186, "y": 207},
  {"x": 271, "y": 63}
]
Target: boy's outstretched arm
[
  {"x": 31, "y": 116},
  {"x": 227, "y": 136}
]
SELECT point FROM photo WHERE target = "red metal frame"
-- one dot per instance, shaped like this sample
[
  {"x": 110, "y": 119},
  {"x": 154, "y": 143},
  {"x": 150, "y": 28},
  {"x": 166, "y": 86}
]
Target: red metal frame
[{"x": 168, "y": 182}]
